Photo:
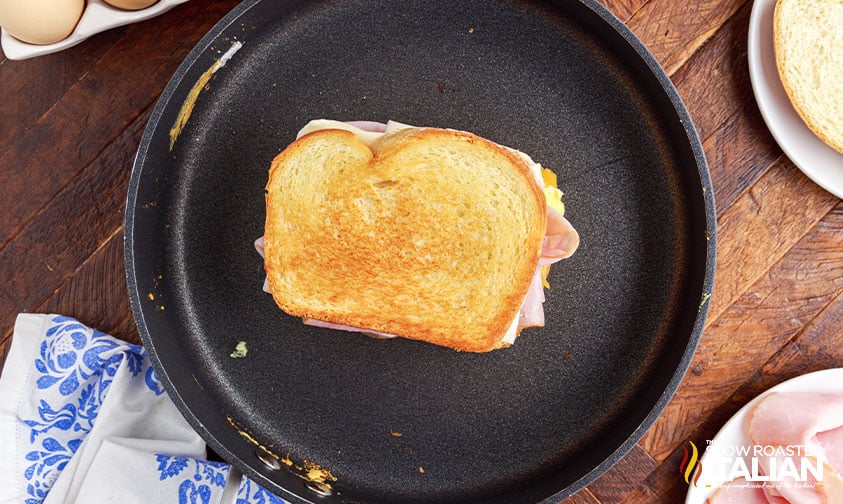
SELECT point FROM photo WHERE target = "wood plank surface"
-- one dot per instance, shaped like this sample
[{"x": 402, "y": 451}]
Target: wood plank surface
[
  {"x": 737, "y": 144},
  {"x": 39, "y": 87},
  {"x": 70, "y": 124},
  {"x": 715, "y": 81},
  {"x": 66, "y": 233},
  {"x": 615, "y": 485},
  {"x": 783, "y": 200},
  {"x": 673, "y": 31},
  {"x": 623, "y": 9},
  {"x": 134, "y": 71},
  {"x": 785, "y": 298}
]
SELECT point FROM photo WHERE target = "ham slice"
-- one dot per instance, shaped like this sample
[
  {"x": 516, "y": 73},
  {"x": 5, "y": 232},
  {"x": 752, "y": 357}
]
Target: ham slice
[
  {"x": 801, "y": 419},
  {"x": 813, "y": 422},
  {"x": 561, "y": 239},
  {"x": 795, "y": 418},
  {"x": 340, "y": 327},
  {"x": 531, "y": 313},
  {"x": 832, "y": 443},
  {"x": 377, "y": 127}
]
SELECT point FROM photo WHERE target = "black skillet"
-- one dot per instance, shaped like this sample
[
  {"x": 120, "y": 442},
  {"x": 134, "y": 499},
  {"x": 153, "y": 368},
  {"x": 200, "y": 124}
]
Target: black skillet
[{"x": 398, "y": 420}]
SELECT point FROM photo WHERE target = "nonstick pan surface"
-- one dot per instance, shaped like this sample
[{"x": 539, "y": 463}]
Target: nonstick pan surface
[{"x": 384, "y": 421}]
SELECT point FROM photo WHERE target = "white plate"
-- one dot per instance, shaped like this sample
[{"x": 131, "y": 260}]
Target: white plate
[
  {"x": 734, "y": 432},
  {"x": 818, "y": 161},
  {"x": 98, "y": 16}
]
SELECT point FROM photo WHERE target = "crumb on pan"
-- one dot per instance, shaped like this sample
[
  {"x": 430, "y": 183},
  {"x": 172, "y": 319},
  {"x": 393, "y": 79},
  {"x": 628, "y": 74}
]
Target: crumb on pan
[{"x": 239, "y": 351}]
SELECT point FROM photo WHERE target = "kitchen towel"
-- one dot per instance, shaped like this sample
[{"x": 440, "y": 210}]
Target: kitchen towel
[{"x": 84, "y": 419}]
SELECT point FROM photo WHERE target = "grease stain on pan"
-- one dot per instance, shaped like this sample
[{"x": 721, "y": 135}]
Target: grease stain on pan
[
  {"x": 308, "y": 470},
  {"x": 250, "y": 438},
  {"x": 195, "y": 379},
  {"x": 151, "y": 295},
  {"x": 193, "y": 95},
  {"x": 315, "y": 473},
  {"x": 705, "y": 297}
]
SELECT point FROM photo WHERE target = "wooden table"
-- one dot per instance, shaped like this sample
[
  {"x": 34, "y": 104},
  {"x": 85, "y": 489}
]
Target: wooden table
[{"x": 70, "y": 124}]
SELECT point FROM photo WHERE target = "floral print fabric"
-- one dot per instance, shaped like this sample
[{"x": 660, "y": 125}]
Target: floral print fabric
[{"x": 83, "y": 418}]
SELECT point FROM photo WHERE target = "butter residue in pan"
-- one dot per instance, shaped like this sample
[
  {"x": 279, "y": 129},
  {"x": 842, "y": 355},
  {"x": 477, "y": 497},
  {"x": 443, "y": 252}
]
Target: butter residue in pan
[
  {"x": 307, "y": 470},
  {"x": 193, "y": 95}
]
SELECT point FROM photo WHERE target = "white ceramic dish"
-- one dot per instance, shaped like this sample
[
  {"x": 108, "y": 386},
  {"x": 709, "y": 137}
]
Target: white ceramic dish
[
  {"x": 734, "y": 432},
  {"x": 818, "y": 161},
  {"x": 97, "y": 17}
]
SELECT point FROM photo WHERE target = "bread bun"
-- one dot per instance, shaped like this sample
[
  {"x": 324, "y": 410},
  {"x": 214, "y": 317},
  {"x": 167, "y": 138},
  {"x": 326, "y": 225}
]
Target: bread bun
[{"x": 808, "y": 42}]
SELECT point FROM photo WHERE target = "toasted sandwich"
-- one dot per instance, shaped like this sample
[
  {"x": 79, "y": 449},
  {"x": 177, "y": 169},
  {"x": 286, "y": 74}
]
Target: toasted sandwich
[{"x": 429, "y": 234}]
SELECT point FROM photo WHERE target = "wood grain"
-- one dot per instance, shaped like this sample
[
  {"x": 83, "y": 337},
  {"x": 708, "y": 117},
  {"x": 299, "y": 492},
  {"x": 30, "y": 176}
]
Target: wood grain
[
  {"x": 134, "y": 71},
  {"x": 77, "y": 222},
  {"x": 4, "y": 350},
  {"x": 716, "y": 88},
  {"x": 95, "y": 294},
  {"x": 739, "y": 152},
  {"x": 623, "y": 9},
  {"x": 38, "y": 84},
  {"x": 715, "y": 81},
  {"x": 785, "y": 299},
  {"x": 783, "y": 200},
  {"x": 101, "y": 286},
  {"x": 615, "y": 484},
  {"x": 665, "y": 485},
  {"x": 673, "y": 31},
  {"x": 582, "y": 497},
  {"x": 819, "y": 345}
]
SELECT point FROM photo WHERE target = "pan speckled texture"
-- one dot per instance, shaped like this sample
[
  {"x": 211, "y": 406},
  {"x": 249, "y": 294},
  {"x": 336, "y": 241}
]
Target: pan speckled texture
[{"x": 399, "y": 420}]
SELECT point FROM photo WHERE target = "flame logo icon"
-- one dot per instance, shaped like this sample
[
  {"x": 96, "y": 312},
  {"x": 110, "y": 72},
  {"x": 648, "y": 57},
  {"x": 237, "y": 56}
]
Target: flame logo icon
[{"x": 690, "y": 462}]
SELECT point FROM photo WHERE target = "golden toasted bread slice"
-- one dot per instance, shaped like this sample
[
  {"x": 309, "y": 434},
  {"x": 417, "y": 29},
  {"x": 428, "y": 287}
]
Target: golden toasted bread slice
[
  {"x": 808, "y": 42},
  {"x": 430, "y": 234}
]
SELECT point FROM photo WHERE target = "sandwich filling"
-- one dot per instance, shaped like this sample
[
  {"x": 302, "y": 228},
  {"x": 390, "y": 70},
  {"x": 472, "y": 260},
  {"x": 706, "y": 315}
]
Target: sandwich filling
[{"x": 560, "y": 240}]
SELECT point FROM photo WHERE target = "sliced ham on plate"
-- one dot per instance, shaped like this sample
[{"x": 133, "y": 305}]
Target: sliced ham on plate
[
  {"x": 795, "y": 418},
  {"x": 832, "y": 443},
  {"x": 802, "y": 419},
  {"x": 808, "y": 423}
]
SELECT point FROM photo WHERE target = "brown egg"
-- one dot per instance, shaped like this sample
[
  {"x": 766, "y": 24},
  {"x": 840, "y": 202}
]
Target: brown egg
[
  {"x": 131, "y": 4},
  {"x": 40, "y": 21}
]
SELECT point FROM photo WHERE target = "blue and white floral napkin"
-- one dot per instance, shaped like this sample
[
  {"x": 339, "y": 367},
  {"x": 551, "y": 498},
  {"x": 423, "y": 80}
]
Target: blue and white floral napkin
[{"x": 84, "y": 419}]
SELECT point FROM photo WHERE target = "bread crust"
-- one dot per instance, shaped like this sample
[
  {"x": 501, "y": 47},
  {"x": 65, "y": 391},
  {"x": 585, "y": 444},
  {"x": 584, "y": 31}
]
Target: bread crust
[
  {"x": 431, "y": 234},
  {"x": 806, "y": 59}
]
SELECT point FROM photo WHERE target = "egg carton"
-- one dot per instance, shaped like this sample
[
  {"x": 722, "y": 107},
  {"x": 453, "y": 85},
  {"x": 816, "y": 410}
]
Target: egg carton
[{"x": 97, "y": 17}]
